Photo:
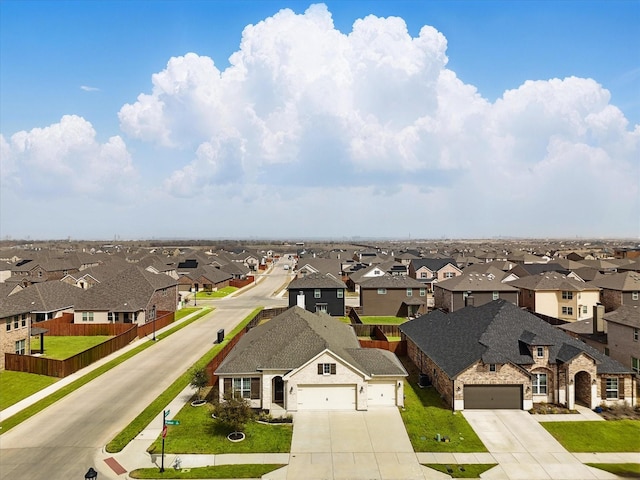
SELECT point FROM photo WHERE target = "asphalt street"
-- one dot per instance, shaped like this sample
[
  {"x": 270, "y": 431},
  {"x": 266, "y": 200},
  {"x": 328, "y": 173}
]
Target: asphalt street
[{"x": 62, "y": 441}]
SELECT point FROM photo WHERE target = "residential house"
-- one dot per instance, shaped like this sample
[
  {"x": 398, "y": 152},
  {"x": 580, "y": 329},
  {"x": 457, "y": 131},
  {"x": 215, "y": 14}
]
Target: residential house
[
  {"x": 623, "y": 335},
  {"x": 310, "y": 361},
  {"x": 619, "y": 289},
  {"x": 472, "y": 289},
  {"x": 131, "y": 296},
  {"x": 498, "y": 356},
  {"x": 316, "y": 292},
  {"x": 432, "y": 270},
  {"x": 389, "y": 295},
  {"x": 556, "y": 295},
  {"x": 330, "y": 266}
]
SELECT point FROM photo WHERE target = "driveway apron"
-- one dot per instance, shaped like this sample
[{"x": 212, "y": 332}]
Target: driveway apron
[
  {"x": 352, "y": 445},
  {"x": 524, "y": 449}
]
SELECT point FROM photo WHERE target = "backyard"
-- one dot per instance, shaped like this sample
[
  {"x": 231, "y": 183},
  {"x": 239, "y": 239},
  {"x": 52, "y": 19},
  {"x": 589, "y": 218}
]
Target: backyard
[
  {"x": 220, "y": 293},
  {"x": 368, "y": 320},
  {"x": 19, "y": 385},
  {"x": 60, "y": 348}
]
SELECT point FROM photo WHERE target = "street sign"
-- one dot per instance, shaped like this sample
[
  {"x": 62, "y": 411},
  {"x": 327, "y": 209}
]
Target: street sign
[
  {"x": 164, "y": 431},
  {"x": 166, "y": 413},
  {"x": 172, "y": 422}
]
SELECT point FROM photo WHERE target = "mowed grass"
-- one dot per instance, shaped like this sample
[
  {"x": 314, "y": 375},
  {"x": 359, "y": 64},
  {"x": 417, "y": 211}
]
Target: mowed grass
[
  {"x": 14, "y": 386},
  {"x": 624, "y": 470},
  {"x": 473, "y": 470},
  {"x": 199, "y": 433},
  {"x": 609, "y": 436},
  {"x": 61, "y": 348},
  {"x": 425, "y": 416},
  {"x": 222, "y": 292},
  {"x": 383, "y": 320},
  {"x": 221, "y": 471}
]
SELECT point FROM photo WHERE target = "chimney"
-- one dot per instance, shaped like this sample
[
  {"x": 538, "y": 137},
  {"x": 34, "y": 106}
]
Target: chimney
[
  {"x": 468, "y": 300},
  {"x": 599, "y": 324}
]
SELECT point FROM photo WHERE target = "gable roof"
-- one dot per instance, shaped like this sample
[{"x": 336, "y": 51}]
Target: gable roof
[
  {"x": 128, "y": 291},
  {"x": 628, "y": 315},
  {"x": 624, "y": 282},
  {"x": 296, "y": 336},
  {"x": 476, "y": 282},
  {"x": 552, "y": 281},
  {"x": 390, "y": 282},
  {"x": 40, "y": 297},
  {"x": 497, "y": 332},
  {"x": 433, "y": 264},
  {"x": 316, "y": 280}
]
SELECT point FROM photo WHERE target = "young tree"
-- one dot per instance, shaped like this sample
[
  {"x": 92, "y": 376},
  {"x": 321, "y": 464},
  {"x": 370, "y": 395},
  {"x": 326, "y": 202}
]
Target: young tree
[
  {"x": 234, "y": 411},
  {"x": 199, "y": 380}
]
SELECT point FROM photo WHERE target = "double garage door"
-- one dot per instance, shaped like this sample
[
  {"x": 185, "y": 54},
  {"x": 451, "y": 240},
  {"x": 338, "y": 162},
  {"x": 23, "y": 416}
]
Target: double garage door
[
  {"x": 326, "y": 397},
  {"x": 493, "y": 397}
]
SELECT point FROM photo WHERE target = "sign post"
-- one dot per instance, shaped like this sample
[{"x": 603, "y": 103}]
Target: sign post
[{"x": 165, "y": 413}]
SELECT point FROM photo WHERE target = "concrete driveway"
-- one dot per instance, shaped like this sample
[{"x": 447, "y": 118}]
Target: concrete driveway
[
  {"x": 352, "y": 445},
  {"x": 524, "y": 449}
]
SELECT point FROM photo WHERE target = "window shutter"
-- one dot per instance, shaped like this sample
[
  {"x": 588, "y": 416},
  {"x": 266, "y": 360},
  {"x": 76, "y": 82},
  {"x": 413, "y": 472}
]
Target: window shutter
[
  {"x": 255, "y": 388},
  {"x": 603, "y": 388},
  {"x": 319, "y": 369},
  {"x": 621, "y": 388},
  {"x": 227, "y": 385},
  {"x": 333, "y": 369}
]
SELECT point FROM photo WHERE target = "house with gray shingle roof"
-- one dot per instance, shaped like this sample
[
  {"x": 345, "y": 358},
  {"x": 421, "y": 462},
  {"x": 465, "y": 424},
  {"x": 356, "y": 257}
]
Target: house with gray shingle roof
[
  {"x": 318, "y": 292},
  {"x": 393, "y": 295},
  {"x": 500, "y": 356},
  {"x": 619, "y": 289},
  {"x": 557, "y": 295},
  {"x": 133, "y": 295},
  {"x": 473, "y": 288},
  {"x": 310, "y": 361}
]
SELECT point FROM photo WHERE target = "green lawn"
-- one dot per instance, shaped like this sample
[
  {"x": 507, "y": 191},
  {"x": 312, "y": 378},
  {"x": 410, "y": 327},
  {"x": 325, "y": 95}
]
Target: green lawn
[
  {"x": 609, "y": 436},
  {"x": 624, "y": 470},
  {"x": 223, "y": 292},
  {"x": 28, "y": 412},
  {"x": 473, "y": 470},
  {"x": 383, "y": 320},
  {"x": 425, "y": 416},
  {"x": 14, "y": 386},
  {"x": 221, "y": 471},
  {"x": 199, "y": 433},
  {"x": 183, "y": 312},
  {"x": 60, "y": 348}
]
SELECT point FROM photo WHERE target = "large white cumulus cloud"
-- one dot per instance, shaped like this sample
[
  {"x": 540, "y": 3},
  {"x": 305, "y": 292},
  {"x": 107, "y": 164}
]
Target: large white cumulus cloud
[
  {"x": 305, "y": 104},
  {"x": 66, "y": 158}
]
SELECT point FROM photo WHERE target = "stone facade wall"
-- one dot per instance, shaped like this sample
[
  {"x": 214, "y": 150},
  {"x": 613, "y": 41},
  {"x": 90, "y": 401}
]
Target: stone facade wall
[
  {"x": 8, "y": 338},
  {"x": 505, "y": 374},
  {"x": 440, "y": 380},
  {"x": 611, "y": 299}
]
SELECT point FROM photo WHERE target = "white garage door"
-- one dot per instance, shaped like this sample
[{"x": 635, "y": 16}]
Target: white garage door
[
  {"x": 326, "y": 397},
  {"x": 381, "y": 394}
]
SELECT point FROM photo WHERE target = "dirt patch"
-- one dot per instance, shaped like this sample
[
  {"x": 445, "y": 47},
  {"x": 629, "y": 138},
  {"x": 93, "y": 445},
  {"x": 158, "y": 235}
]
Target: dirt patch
[{"x": 549, "y": 409}]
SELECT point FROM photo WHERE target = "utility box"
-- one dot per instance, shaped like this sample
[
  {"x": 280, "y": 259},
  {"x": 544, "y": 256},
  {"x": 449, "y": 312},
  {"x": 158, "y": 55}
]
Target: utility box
[{"x": 220, "y": 335}]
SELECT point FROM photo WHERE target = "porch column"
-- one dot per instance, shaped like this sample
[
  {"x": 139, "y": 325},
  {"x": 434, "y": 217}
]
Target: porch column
[
  {"x": 594, "y": 394},
  {"x": 571, "y": 395}
]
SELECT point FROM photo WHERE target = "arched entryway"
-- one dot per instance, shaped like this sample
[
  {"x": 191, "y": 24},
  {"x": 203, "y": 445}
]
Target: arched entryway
[
  {"x": 277, "y": 387},
  {"x": 582, "y": 388}
]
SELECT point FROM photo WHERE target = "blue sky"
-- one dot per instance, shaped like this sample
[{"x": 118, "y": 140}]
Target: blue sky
[{"x": 495, "y": 120}]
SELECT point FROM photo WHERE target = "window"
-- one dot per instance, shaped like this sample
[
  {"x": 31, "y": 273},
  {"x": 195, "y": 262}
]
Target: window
[
  {"x": 242, "y": 387},
  {"x": 21, "y": 347},
  {"x": 612, "y": 388},
  {"x": 340, "y": 293},
  {"x": 606, "y": 351},
  {"x": 567, "y": 310},
  {"x": 634, "y": 295},
  {"x": 636, "y": 334},
  {"x": 316, "y": 293},
  {"x": 16, "y": 322},
  {"x": 449, "y": 274},
  {"x": 423, "y": 292},
  {"x": 24, "y": 319},
  {"x": 382, "y": 291},
  {"x": 539, "y": 383},
  {"x": 409, "y": 292},
  {"x": 8, "y": 324},
  {"x": 112, "y": 317},
  {"x": 567, "y": 295},
  {"x": 635, "y": 364},
  {"x": 585, "y": 309},
  {"x": 492, "y": 367},
  {"x": 87, "y": 316},
  {"x": 424, "y": 275},
  {"x": 496, "y": 295},
  {"x": 539, "y": 352},
  {"x": 326, "y": 369}
]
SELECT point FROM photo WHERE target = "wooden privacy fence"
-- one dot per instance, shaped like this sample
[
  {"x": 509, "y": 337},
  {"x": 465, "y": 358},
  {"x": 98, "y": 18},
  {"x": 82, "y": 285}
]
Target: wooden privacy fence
[
  {"x": 162, "y": 320},
  {"x": 63, "y": 368},
  {"x": 399, "y": 347},
  {"x": 241, "y": 283},
  {"x": 365, "y": 330}
]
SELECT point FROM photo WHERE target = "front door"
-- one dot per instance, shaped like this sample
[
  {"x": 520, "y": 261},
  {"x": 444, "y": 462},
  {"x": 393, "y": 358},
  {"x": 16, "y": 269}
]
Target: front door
[{"x": 278, "y": 390}]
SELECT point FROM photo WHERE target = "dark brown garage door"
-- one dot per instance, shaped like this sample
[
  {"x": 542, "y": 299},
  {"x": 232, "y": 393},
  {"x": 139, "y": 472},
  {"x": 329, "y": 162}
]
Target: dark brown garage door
[{"x": 493, "y": 396}]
